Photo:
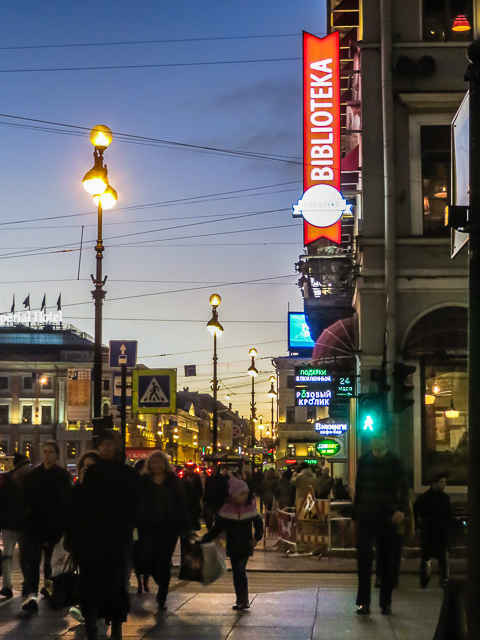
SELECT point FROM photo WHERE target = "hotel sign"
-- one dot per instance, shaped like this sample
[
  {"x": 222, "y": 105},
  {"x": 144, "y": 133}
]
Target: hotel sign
[
  {"x": 30, "y": 317},
  {"x": 322, "y": 204}
]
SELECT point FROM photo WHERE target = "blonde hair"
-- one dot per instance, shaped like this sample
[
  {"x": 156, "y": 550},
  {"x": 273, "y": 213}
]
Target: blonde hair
[{"x": 154, "y": 456}]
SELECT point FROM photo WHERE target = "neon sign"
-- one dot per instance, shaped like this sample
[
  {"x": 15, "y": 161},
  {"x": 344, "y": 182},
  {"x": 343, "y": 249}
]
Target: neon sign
[
  {"x": 28, "y": 317},
  {"x": 328, "y": 447},
  {"x": 305, "y": 398},
  {"x": 329, "y": 429},
  {"x": 312, "y": 375},
  {"x": 322, "y": 204}
]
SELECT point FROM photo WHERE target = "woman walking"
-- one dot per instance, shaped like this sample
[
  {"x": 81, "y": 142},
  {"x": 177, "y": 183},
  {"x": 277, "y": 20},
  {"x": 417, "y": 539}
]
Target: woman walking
[
  {"x": 164, "y": 518},
  {"x": 243, "y": 526}
]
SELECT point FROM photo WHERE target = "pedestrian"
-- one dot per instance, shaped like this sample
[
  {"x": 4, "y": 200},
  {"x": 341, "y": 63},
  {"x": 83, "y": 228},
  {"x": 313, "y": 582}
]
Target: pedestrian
[
  {"x": 215, "y": 494},
  {"x": 47, "y": 490},
  {"x": 380, "y": 504},
  {"x": 285, "y": 491},
  {"x": 107, "y": 508},
  {"x": 267, "y": 492},
  {"x": 141, "y": 576},
  {"x": 192, "y": 485},
  {"x": 303, "y": 480},
  {"x": 164, "y": 518},
  {"x": 434, "y": 520},
  {"x": 325, "y": 483},
  {"x": 243, "y": 526},
  {"x": 13, "y": 522},
  {"x": 257, "y": 479}
]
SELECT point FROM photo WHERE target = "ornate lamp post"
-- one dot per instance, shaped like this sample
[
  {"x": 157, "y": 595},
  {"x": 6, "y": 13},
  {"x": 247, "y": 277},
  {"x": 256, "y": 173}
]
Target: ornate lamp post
[
  {"x": 215, "y": 328},
  {"x": 252, "y": 371},
  {"x": 96, "y": 184},
  {"x": 272, "y": 394}
]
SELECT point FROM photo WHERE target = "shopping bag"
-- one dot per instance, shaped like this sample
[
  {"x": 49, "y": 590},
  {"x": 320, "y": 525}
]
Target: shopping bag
[
  {"x": 60, "y": 558},
  {"x": 66, "y": 587},
  {"x": 190, "y": 561},
  {"x": 213, "y": 563}
]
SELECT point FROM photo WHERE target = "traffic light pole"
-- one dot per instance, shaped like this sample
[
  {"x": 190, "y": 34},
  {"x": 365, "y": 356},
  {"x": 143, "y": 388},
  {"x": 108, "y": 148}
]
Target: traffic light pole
[
  {"x": 123, "y": 413},
  {"x": 473, "y": 549}
]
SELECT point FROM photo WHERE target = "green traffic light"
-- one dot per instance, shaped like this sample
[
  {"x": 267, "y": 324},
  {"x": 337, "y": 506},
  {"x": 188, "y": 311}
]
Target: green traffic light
[{"x": 368, "y": 424}]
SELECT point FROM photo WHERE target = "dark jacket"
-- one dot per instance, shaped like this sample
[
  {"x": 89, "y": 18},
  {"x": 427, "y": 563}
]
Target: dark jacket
[
  {"x": 268, "y": 487},
  {"x": 237, "y": 522},
  {"x": 193, "y": 487},
  {"x": 46, "y": 493},
  {"x": 13, "y": 504},
  {"x": 285, "y": 493},
  {"x": 381, "y": 488},
  {"x": 433, "y": 517},
  {"x": 216, "y": 491},
  {"x": 164, "y": 505}
]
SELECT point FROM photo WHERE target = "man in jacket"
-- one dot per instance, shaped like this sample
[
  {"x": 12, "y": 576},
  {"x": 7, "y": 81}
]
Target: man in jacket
[
  {"x": 434, "y": 519},
  {"x": 325, "y": 483},
  {"x": 47, "y": 490},
  {"x": 13, "y": 519},
  {"x": 380, "y": 504},
  {"x": 192, "y": 484},
  {"x": 216, "y": 492},
  {"x": 303, "y": 480}
]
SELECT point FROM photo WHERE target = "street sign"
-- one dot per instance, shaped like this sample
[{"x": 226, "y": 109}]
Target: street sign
[
  {"x": 154, "y": 391},
  {"x": 121, "y": 348},
  {"x": 117, "y": 391}
]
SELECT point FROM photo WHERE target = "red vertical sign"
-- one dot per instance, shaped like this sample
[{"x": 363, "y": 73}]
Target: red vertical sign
[{"x": 321, "y": 123}]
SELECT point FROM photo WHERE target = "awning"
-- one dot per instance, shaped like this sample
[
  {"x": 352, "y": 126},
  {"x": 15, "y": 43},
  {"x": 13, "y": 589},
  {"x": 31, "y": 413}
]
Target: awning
[
  {"x": 442, "y": 333},
  {"x": 337, "y": 342}
]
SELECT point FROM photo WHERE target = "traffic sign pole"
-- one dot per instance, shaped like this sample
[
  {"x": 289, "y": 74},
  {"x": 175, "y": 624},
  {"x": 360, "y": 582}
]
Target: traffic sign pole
[{"x": 123, "y": 413}]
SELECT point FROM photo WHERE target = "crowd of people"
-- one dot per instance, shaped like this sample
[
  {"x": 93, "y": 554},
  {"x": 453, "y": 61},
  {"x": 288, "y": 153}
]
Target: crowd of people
[{"x": 117, "y": 518}]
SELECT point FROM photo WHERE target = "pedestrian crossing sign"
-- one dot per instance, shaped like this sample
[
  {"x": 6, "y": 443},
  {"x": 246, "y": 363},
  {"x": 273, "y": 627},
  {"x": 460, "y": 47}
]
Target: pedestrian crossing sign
[{"x": 154, "y": 391}]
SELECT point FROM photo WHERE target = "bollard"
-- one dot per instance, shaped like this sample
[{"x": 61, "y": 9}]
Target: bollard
[{"x": 452, "y": 621}]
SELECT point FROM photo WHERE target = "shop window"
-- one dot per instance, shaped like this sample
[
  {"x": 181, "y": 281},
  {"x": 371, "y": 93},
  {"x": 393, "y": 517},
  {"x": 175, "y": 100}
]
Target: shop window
[
  {"x": 27, "y": 414},
  {"x": 46, "y": 414},
  {"x": 4, "y": 382},
  {"x": 445, "y": 421},
  {"x": 4, "y": 447},
  {"x": 291, "y": 450},
  {"x": 311, "y": 451},
  {"x": 71, "y": 450},
  {"x": 435, "y": 144},
  {"x": 27, "y": 448},
  {"x": 290, "y": 415},
  {"x": 4, "y": 413},
  {"x": 447, "y": 20},
  {"x": 27, "y": 383}
]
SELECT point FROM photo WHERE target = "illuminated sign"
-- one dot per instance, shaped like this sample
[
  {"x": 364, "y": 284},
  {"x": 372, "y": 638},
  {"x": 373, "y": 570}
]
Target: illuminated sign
[
  {"x": 310, "y": 374},
  {"x": 293, "y": 461},
  {"x": 329, "y": 429},
  {"x": 299, "y": 336},
  {"x": 311, "y": 461},
  {"x": 328, "y": 447},
  {"x": 321, "y": 136},
  {"x": 321, "y": 206},
  {"x": 29, "y": 317},
  {"x": 306, "y": 398},
  {"x": 345, "y": 387}
]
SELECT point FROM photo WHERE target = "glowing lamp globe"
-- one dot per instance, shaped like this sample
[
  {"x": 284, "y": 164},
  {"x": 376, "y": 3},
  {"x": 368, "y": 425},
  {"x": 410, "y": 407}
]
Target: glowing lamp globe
[
  {"x": 107, "y": 199},
  {"x": 95, "y": 181},
  {"x": 101, "y": 136},
  {"x": 215, "y": 299}
]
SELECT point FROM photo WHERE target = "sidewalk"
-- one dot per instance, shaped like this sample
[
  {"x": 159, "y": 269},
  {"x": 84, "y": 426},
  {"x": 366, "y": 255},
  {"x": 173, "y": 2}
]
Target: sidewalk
[{"x": 305, "y": 614}]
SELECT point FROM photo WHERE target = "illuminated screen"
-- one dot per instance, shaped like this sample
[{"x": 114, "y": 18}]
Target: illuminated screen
[{"x": 298, "y": 332}]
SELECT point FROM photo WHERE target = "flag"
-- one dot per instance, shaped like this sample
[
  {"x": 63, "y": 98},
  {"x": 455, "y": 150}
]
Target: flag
[
  {"x": 12, "y": 310},
  {"x": 44, "y": 303},
  {"x": 59, "y": 303},
  {"x": 26, "y": 302}
]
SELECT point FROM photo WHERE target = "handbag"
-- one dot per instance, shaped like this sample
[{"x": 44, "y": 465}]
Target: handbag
[
  {"x": 190, "y": 561},
  {"x": 213, "y": 563},
  {"x": 66, "y": 587},
  {"x": 60, "y": 557}
]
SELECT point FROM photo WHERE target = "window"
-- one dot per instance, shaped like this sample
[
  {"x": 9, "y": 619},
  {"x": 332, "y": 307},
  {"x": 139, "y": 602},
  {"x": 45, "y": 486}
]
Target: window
[
  {"x": 311, "y": 414},
  {"x": 27, "y": 414},
  {"x": 27, "y": 448},
  {"x": 4, "y": 413},
  {"x": 106, "y": 385},
  {"x": 435, "y": 144},
  {"x": 290, "y": 415},
  {"x": 291, "y": 450},
  {"x": 4, "y": 447},
  {"x": 445, "y": 411},
  {"x": 447, "y": 20},
  {"x": 71, "y": 450},
  {"x": 290, "y": 382},
  {"x": 45, "y": 382},
  {"x": 4, "y": 382},
  {"x": 311, "y": 451},
  {"x": 27, "y": 383},
  {"x": 46, "y": 414}
]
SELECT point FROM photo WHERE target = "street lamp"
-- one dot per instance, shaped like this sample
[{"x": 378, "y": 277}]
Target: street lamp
[
  {"x": 215, "y": 328},
  {"x": 252, "y": 371},
  {"x": 96, "y": 184}
]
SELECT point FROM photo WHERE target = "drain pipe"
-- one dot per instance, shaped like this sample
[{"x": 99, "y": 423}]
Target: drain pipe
[{"x": 389, "y": 194}]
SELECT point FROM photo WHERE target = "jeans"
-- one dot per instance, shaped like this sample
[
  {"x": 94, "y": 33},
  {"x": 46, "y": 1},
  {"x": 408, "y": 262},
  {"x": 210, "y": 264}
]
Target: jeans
[
  {"x": 34, "y": 558},
  {"x": 10, "y": 539},
  {"x": 381, "y": 532},
  {"x": 240, "y": 580},
  {"x": 440, "y": 552}
]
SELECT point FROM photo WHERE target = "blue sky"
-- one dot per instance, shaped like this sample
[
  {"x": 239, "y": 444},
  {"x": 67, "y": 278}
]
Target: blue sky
[{"x": 254, "y": 107}]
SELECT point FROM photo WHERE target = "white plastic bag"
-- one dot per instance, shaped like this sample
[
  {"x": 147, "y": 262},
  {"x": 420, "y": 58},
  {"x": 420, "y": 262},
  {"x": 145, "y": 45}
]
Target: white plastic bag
[
  {"x": 213, "y": 565},
  {"x": 60, "y": 559}
]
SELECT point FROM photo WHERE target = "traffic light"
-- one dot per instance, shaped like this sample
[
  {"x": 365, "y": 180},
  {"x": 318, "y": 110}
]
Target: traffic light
[
  {"x": 401, "y": 387},
  {"x": 369, "y": 413}
]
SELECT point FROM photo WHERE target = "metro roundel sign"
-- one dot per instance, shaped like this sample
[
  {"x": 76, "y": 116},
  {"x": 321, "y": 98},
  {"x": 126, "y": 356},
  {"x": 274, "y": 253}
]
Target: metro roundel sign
[{"x": 321, "y": 205}]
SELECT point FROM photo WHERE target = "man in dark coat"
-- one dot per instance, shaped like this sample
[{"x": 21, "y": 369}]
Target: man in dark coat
[
  {"x": 434, "y": 519},
  {"x": 192, "y": 484},
  {"x": 104, "y": 516},
  {"x": 380, "y": 504},
  {"x": 47, "y": 490},
  {"x": 216, "y": 492}
]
